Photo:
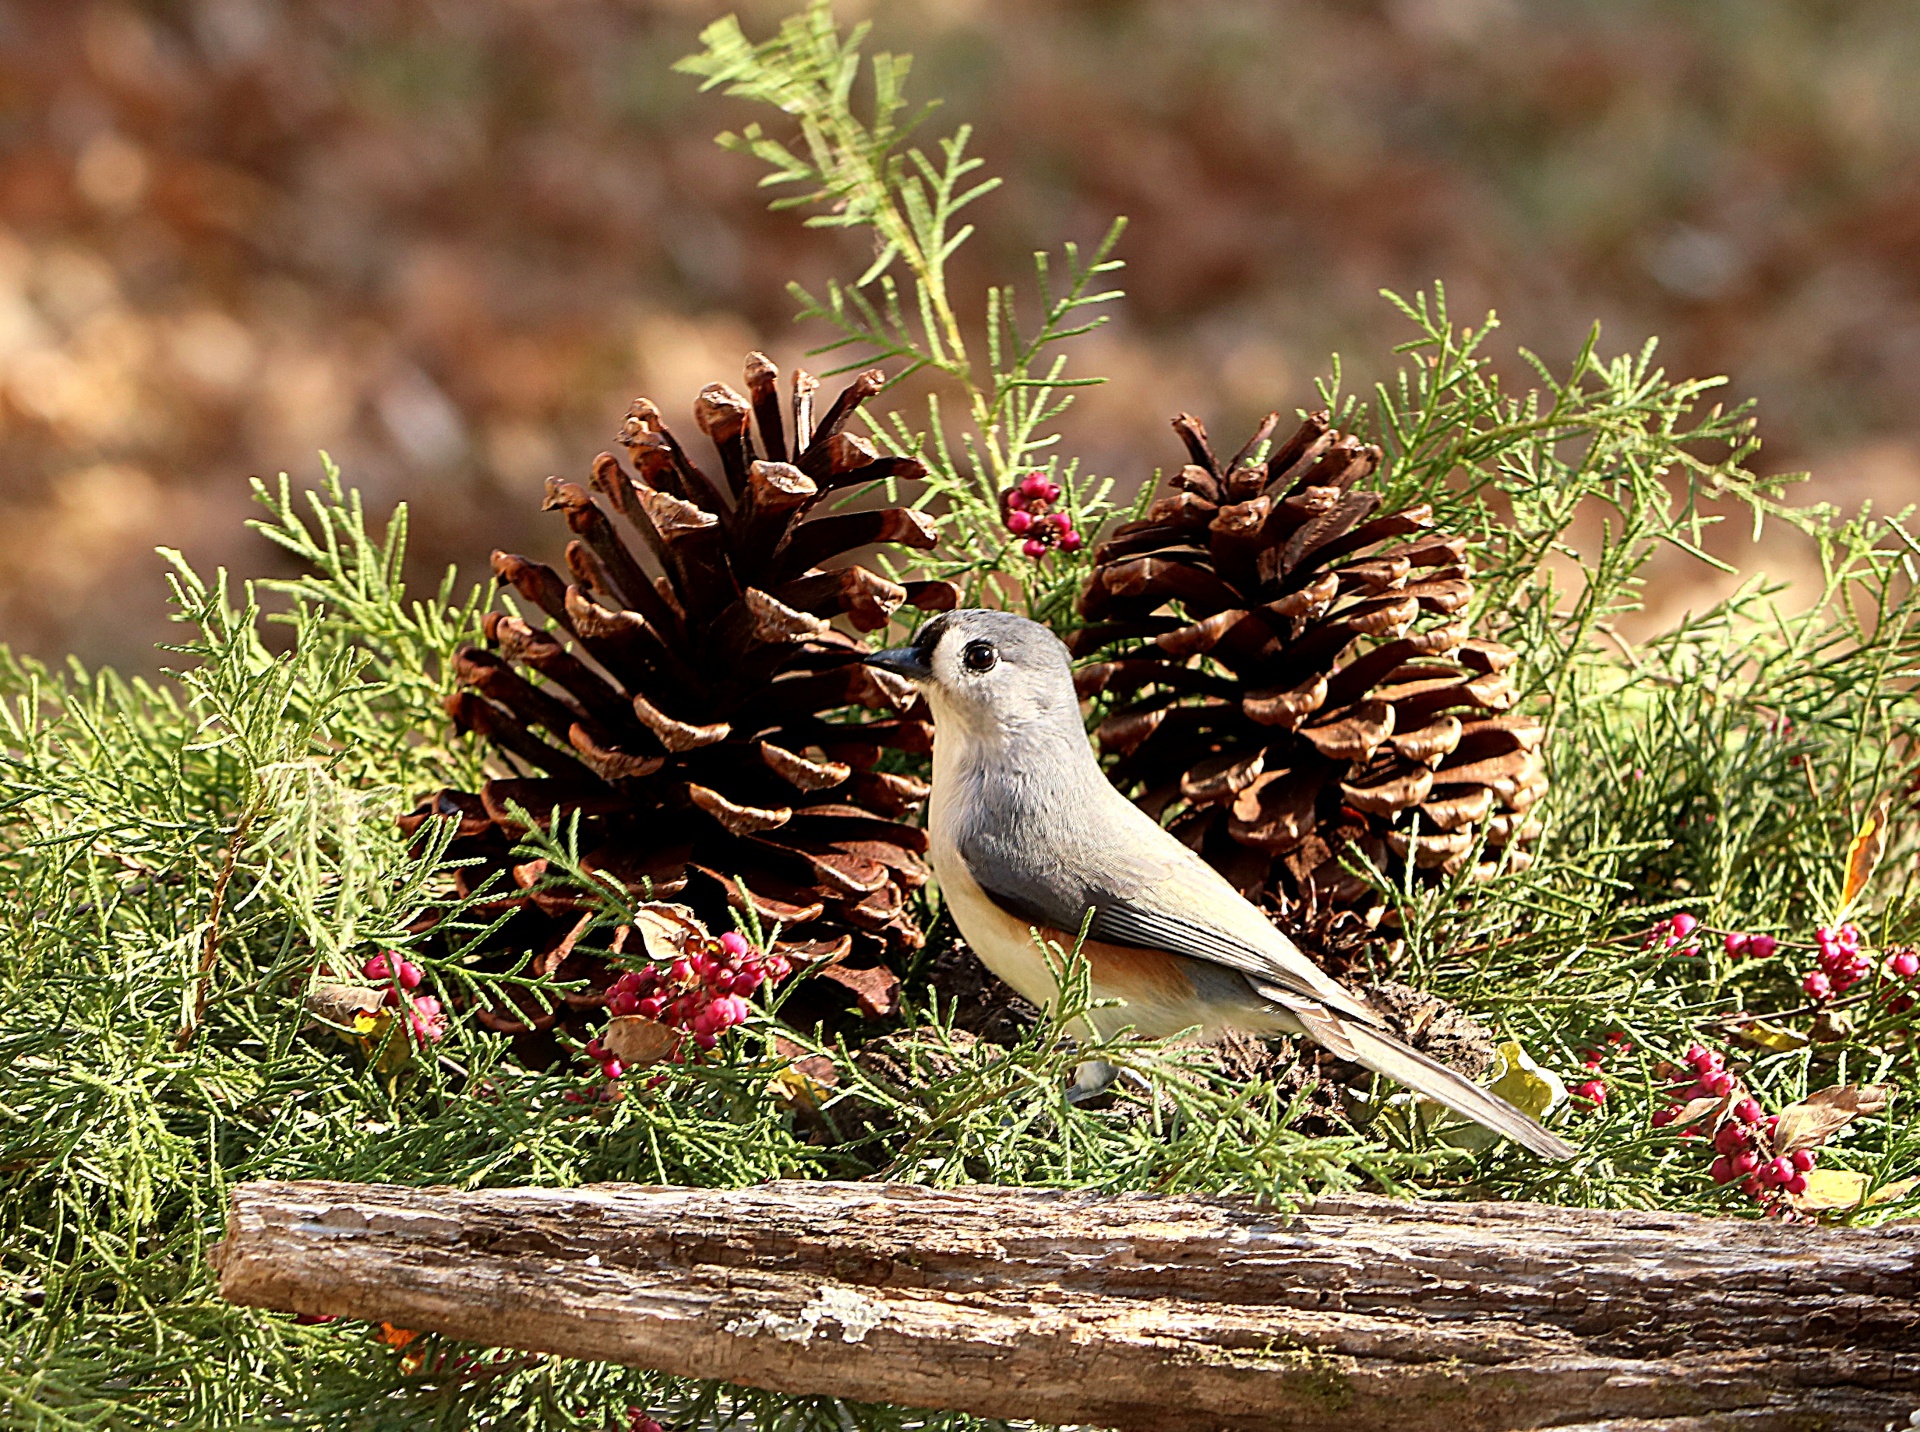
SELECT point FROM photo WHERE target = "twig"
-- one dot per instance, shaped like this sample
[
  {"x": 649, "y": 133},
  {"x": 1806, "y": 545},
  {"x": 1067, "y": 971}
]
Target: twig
[{"x": 210, "y": 950}]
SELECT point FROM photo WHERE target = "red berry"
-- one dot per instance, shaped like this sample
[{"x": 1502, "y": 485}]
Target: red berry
[
  {"x": 1746, "y": 1160},
  {"x": 1906, "y": 964},
  {"x": 1071, "y": 541},
  {"x": 1593, "y": 1091},
  {"x": 375, "y": 968},
  {"x": 1780, "y": 1170},
  {"x": 612, "y": 1068},
  {"x": 1796, "y": 1184},
  {"x": 1018, "y": 522},
  {"x": 1723, "y": 1171},
  {"x": 1803, "y": 1159},
  {"x": 1683, "y": 924},
  {"x": 1751, "y": 1185},
  {"x": 1718, "y": 1085},
  {"x": 1817, "y": 985},
  {"x": 1737, "y": 945},
  {"x": 1034, "y": 547},
  {"x": 1663, "y": 1117},
  {"x": 1730, "y": 1138},
  {"x": 1761, "y": 947},
  {"x": 735, "y": 944}
]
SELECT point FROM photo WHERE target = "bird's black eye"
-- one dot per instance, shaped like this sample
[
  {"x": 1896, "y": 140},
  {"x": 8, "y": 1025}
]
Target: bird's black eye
[{"x": 980, "y": 656}]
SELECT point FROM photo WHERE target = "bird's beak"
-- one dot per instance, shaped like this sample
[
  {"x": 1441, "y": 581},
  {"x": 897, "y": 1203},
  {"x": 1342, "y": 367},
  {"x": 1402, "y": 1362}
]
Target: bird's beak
[{"x": 901, "y": 661}]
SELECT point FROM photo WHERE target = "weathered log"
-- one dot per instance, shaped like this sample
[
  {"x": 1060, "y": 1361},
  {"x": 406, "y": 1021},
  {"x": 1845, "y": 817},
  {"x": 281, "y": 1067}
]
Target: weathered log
[{"x": 1131, "y": 1311}]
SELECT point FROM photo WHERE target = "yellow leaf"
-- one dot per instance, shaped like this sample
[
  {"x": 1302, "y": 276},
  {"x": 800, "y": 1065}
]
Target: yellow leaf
[
  {"x": 1863, "y": 854},
  {"x": 1765, "y": 1034},
  {"x": 1515, "y": 1078},
  {"x": 1888, "y": 1192},
  {"x": 795, "y": 1088},
  {"x": 1831, "y": 1189},
  {"x": 1524, "y": 1084}
]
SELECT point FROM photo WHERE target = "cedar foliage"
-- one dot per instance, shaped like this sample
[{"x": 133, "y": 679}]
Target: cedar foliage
[{"x": 181, "y": 859}]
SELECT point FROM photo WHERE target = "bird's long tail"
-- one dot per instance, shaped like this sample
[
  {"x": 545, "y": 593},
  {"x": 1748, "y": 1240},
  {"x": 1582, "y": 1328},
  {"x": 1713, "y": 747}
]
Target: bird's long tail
[{"x": 1381, "y": 1052}]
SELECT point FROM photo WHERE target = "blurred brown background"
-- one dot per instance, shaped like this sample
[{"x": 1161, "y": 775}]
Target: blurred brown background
[{"x": 448, "y": 241}]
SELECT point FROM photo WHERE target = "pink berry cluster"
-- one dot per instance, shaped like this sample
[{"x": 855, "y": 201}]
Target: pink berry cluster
[
  {"x": 1594, "y": 1061},
  {"x": 1749, "y": 947},
  {"x": 1842, "y": 963},
  {"x": 1676, "y": 935},
  {"x": 1026, "y": 508},
  {"x": 1902, "y": 965},
  {"x": 702, "y": 993},
  {"x": 426, "y": 1020},
  {"x": 1741, "y": 1136},
  {"x": 638, "y": 1421}
]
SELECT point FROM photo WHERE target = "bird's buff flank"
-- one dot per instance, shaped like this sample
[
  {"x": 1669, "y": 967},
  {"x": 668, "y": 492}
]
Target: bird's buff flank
[{"x": 1027, "y": 834}]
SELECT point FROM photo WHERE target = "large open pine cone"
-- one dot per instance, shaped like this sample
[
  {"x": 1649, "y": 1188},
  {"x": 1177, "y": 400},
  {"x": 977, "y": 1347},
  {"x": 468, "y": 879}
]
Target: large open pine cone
[
  {"x": 689, "y": 702},
  {"x": 1297, "y": 691}
]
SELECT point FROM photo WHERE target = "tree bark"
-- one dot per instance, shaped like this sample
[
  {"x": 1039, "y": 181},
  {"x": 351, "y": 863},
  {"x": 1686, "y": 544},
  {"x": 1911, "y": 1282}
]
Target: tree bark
[{"x": 1131, "y": 1311}]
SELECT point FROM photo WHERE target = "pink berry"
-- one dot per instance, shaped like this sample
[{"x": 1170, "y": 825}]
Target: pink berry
[
  {"x": 1594, "y": 1091},
  {"x": 1018, "y": 522},
  {"x": 1746, "y": 1160},
  {"x": 1723, "y": 1171},
  {"x": 1016, "y": 500},
  {"x": 705, "y": 1040},
  {"x": 1781, "y": 1169},
  {"x": 1663, "y": 1117},
  {"x": 1751, "y": 1185},
  {"x": 612, "y": 1068},
  {"x": 1071, "y": 541},
  {"x": 1730, "y": 1138},
  {"x": 1684, "y": 924},
  {"x": 410, "y": 975},
  {"x": 1699, "y": 1056},
  {"x": 681, "y": 970},
  {"x": 1035, "y": 484},
  {"x": 1817, "y": 985},
  {"x": 747, "y": 981},
  {"x": 1034, "y": 547},
  {"x": 735, "y": 944},
  {"x": 1796, "y": 1184},
  {"x": 1803, "y": 1159},
  {"x": 428, "y": 1023},
  {"x": 1737, "y": 945},
  {"x": 1747, "y": 1111},
  {"x": 1718, "y": 1085},
  {"x": 375, "y": 968},
  {"x": 1761, "y": 947},
  {"x": 1906, "y": 964}
]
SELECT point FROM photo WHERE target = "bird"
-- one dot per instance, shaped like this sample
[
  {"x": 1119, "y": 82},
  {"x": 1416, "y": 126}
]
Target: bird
[{"x": 1030, "y": 843}]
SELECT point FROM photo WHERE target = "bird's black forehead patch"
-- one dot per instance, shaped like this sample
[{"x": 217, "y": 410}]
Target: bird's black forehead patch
[{"x": 928, "y": 637}]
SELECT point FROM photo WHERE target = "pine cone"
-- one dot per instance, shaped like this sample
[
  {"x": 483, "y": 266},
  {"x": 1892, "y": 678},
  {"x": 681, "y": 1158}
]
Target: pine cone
[
  {"x": 688, "y": 701},
  {"x": 1296, "y": 683}
]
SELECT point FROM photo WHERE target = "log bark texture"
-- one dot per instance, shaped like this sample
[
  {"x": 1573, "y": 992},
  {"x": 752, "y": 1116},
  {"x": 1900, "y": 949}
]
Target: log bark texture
[{"x": 1132, "y": 1311}]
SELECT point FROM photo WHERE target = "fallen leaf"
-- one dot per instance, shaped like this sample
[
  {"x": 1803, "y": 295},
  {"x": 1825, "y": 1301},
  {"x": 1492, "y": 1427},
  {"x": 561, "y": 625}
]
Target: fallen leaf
[
  {"x": 808, "y": 1082},
  {"x": 665, "y": 929},
  {"x": 340, "y": 1003},
  {"x": 637, "y": 1041},
  {"x": 1854, "y": 1098},
  {"x": 1888, "y": 1192},
  {"x": 1695, "y": 1109},
  {"x": 1863, "y": 854},
  {"x": 1830, "y": 1189},
  {"x": 1825, "y": 1112},
  {"x": 396, "y": 1337},
  {"x": 874, "y": 988},
  {"x": 1764, "y": 1034}
]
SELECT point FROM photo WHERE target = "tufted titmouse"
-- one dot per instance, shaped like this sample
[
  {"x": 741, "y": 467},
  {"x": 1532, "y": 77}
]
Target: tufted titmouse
[{"x": 1026, "y": 834}]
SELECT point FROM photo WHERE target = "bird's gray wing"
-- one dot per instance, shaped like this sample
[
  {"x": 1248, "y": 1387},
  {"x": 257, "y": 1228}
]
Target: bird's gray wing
[{"x": 1148, "y": 891}]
